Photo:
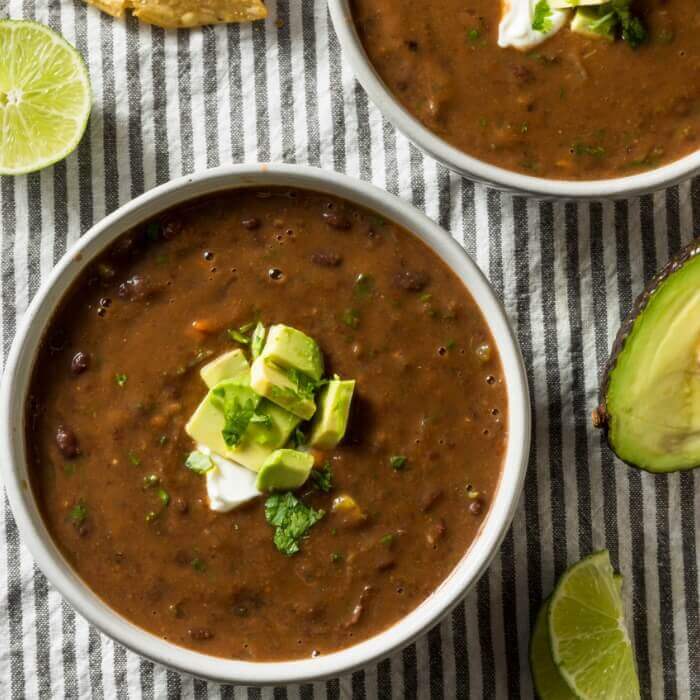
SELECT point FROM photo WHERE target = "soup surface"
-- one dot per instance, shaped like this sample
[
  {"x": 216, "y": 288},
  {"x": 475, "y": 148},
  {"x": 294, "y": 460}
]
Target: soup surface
[
  {"x": 117, "y": 378},
  {"x": 571, "y": 107}
]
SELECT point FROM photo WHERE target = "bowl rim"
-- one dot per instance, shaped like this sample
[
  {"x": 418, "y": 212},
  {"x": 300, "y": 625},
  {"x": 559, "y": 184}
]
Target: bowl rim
[
  {"x": 476, "y": 169},
  {"x": 15, "y": 383}
]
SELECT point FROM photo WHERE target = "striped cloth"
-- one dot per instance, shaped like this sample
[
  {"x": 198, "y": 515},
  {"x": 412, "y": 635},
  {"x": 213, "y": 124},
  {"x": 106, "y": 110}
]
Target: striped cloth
[{"x": 168, "y": 103}]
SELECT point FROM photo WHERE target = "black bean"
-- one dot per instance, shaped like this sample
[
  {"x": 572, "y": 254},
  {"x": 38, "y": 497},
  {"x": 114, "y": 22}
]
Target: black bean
[
  {"x": 411, "y": 281},
  {"x": 136, "y": 288},
  {"x": 251, "y": 224},
  {"x": 337, "y": 220},
  {"x": 326, "y": 258},
  {"x": 80, "y": 362},
  {"x": 67, "y": 442}
]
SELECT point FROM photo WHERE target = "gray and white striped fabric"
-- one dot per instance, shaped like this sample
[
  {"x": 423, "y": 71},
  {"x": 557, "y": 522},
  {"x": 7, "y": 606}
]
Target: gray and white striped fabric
[{"x": 169, "y": 103}]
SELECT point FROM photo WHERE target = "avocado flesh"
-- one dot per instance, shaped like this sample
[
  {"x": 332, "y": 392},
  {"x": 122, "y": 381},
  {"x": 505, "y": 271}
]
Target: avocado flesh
[
  {"x": 259, "y": 440},
  {"x": 653, "y": 395}
]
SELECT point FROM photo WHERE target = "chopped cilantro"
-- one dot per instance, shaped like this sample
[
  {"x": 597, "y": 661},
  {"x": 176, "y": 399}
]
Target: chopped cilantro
[
  {"x": 199, "y": 462},
  {"x": 198, "y": 565},
  {"x": 633, "y": 30},
  {"x": 162, "y": 440},
  {"x": 336, "y": 557},
  {"x": 474, "y": 34},
  {"x": 237, "y": 416},
  {"x": 582, "y": 149},
  {"x": 542, "y": 18},
  {"x": 398, "y": 462},
  {"x": 134, "y": 458},
  {"x": 291, "y": 519},
  {"x": 78, "y": 513},
  {"x": 388, "y": 539},
  {"x": 305, "y": 385},
  {"x": 350, "y": 318},
  {"x": 120, "y": 379},
  {"x": 322, "y": 478},
  {"x": 164, "y": 497},
  {"x": 298, "y": 438},
  {"x": 236, "y": 335},
  {"x": 257, "y": 340},
  {"x": 363, "y": 285}
]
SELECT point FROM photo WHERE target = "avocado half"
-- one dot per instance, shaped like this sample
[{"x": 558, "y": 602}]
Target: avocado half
[{"x": 650, "y": 399}]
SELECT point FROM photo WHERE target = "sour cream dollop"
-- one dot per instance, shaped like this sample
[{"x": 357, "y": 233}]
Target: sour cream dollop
[
  {"x": 516, "y": 29},
  {"x": 229, "y": 485}
]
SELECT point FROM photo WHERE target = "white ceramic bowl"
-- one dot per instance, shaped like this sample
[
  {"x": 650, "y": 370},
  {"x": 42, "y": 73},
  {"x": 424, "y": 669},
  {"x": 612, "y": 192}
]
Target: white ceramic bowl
[
  {"x": 12, "y": 438},
  {"x": 476, "y": 169}
]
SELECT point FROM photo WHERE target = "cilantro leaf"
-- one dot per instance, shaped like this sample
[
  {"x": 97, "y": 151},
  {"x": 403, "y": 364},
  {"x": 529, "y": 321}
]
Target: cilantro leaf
[
  {"x": 542, "y": 18},
  {"x": 237, "y": 336},
  {"x": 120, "y": 379},
  {"x": 291, "y": 519},
  {"x": 198, "y": 462},
  {"x": 633, "y": 30},
  {"x": 257, "y": 340},
  {"x": 305, "y": 385},
  {"x": 237, "y": 415},
  {"x": 78, "y": 513},
  {"x": 398, "y": 462},
  {"x": 322, "y": 478}
]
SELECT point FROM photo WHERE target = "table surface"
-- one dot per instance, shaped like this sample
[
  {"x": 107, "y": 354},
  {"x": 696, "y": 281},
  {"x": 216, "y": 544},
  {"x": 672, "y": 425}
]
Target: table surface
[{"x": 168, "y": 103}]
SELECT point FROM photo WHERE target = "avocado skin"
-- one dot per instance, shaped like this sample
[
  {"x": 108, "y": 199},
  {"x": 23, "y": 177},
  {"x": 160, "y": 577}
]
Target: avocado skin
[{"x": 599, "y": 416}]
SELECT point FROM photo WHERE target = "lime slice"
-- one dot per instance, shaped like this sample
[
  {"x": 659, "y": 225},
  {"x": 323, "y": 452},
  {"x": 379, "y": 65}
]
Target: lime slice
[
  {"x": 548, "y": 681},
  {"x": 587, "y": 632},
  {"x": 44, "y": 97}
]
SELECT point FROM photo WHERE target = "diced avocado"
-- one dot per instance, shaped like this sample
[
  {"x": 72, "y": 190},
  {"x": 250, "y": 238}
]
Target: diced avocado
[
  {"x": 595, "y": 22},
  {"x": 651, "y": 392},
  {"x": 284, "y": 470},
  {"x": 267, "y": 431},
  {"x": 573, "y": 4},
  {"x": 289, "y": 348},
  {"x": 331, "y": 419},
  {"x": 205, "y": 427},
  {"x": 278, "y": 430},
  {"x": 274, "y": 384},
  {"x": 223, "y": 367}
]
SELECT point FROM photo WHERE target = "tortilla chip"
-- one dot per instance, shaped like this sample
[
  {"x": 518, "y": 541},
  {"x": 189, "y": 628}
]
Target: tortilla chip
[{"x": 172, "y": 14}]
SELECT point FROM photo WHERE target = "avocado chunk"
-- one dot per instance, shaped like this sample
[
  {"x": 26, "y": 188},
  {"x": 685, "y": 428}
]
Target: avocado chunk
[
  {"x": 289, "y": 348},
  {"x": 651, "y": 392},
  {"x": 284, "y": 470},
  {"x": 225, "y": 366},
  {"x": 275, "y": 384},
  {"x": 595, "y": 22},
  {"x": 331, "y": 419},
  {"x": 268, "y": 429}
]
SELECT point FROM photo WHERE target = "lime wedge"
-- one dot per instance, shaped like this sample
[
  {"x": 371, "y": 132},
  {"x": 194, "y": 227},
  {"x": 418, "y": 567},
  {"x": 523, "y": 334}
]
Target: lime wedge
[
  {"x": 44, "y": 97},
  {"x": 548, "y": 681},
  {"x": 587, "y": 632}
]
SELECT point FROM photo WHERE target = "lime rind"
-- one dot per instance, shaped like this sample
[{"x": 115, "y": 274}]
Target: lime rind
[
  {"x": 589, "y": 641},
  {"x": 547, "y": 680},
  {"x": 45, "y": 97}
]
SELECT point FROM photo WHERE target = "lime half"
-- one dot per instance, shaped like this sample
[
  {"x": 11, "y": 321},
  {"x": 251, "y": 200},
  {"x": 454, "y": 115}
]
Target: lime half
[
  {"x": 44, "y": 97},
  {"x": 587, "y": 632}
]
